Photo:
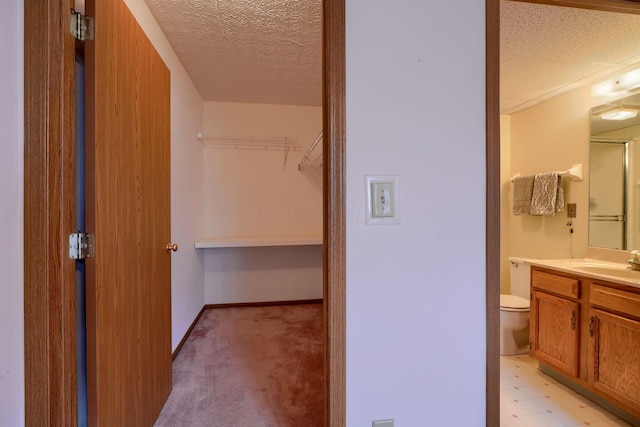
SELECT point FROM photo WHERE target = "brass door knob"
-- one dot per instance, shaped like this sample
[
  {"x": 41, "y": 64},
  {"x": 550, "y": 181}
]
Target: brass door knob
[{"x": 171, "y": 247}]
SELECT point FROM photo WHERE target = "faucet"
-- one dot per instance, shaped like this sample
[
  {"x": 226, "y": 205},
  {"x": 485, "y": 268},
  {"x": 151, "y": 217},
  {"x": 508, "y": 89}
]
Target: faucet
[{"x": 634, "y": 261}]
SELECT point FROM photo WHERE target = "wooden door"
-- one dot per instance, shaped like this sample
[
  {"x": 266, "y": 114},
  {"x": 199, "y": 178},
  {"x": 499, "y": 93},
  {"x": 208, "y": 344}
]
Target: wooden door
[
  {"x": 128, "y": 210},
  {"x": 554, "y": 324},
  {"x": 615, "y": 363}
]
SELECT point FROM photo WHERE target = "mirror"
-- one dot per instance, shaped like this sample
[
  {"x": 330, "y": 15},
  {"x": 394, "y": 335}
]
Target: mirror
[{"x": 614, "y": 177}]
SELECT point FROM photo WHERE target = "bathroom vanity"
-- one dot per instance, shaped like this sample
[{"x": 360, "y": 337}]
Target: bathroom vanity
[{"x": 585, "y": 326}]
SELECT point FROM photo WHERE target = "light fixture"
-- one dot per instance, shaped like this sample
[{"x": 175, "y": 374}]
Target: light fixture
[
  {"x": 619, "y": 112},
  {"x": 626, "y": 83}
]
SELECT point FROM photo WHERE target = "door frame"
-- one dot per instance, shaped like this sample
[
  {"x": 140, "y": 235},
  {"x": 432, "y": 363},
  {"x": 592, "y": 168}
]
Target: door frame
[
  {"x": 492, "y": 245},
  {"x": 49, "y": 215},
  {"x": 49, "y": 277},
  {"x": 493, "y": 182},
  {"x": 49, "y": 197},
  {"x": 334, "y": 212}
]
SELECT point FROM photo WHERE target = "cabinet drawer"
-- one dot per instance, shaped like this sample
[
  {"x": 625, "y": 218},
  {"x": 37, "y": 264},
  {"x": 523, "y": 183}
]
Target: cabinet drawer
[
  {"x": 615, "y": 299},
  {"x": 559, "y": 285}
]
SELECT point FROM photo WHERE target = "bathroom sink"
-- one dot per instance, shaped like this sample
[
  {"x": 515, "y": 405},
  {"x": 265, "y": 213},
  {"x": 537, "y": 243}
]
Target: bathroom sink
[
  {"x": 603, "y": 267},
  {"x": 614, "y": 271},
  {"x": 588, "y": 264},
  {"x": 622, "y": 272}
]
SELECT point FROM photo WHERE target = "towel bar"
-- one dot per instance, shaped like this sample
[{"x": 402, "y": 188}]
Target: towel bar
[{"x": 574, "y": 173}]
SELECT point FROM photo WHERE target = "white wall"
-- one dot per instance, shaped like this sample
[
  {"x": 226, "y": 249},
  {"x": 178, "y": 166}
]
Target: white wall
[
  {"x": 416, "y": 291},
  {"x": 252, "y": 193},
  {"x": 11, "y": 211},
  {"x": 187, "y": 265}
]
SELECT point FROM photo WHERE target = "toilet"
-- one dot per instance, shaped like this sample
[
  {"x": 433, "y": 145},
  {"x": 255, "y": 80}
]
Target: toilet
[{"x": 514, "y": 310}]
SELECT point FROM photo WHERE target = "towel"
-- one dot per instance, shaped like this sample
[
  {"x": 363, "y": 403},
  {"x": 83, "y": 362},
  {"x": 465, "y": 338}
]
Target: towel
[
  {"x": 548, "y": 194},
  {"x": 522, "y": 192}
]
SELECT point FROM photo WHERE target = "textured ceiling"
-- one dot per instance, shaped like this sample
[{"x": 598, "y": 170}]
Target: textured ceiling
[
  {"x": 269, "y": 51},
  {"x": 254, "y": 51},
  {"x": 546, "y": 50}
]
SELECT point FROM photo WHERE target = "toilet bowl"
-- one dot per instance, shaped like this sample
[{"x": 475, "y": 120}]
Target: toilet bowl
[{"x": 514, "y": 310}]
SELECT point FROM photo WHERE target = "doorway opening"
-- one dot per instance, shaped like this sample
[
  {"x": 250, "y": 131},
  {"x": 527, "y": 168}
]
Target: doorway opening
[
  {"x": 494, "y": 49},
  {"x": 50, "y": 308}
]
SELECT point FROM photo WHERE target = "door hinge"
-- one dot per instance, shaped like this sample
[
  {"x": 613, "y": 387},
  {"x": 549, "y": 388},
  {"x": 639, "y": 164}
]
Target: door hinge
[
  {"x": 81, "y": 26},
  {"x": 81, "y": 245}
]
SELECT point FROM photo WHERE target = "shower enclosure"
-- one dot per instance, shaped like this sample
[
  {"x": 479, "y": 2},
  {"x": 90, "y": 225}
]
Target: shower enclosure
[{"x": 607, "y": 194}]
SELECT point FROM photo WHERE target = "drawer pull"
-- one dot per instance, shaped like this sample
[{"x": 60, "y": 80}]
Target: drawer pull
[
  {"x": 591, "y": 320},
  {"x": 573, "y": 319}
]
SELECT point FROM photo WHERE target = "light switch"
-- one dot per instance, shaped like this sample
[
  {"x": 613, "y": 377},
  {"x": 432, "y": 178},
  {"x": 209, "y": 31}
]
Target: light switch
[{"x": 382, "y": 199}]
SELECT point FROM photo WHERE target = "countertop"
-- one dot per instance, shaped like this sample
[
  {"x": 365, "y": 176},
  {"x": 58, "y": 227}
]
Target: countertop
[{"x": 614, "y": 272}]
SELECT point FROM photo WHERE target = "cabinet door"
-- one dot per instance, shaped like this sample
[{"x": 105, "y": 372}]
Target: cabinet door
[
  {"x": 554, "y": 331},
  {"x": 615, "y": 364}
]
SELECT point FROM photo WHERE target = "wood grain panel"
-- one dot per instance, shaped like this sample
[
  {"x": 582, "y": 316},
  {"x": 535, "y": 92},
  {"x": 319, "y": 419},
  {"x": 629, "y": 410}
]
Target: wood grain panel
[
  {"x": 616, "y": 364},
  {"x": 334, "y": 217},
  {"x": 553, "y": 339},
  {"x": 128, "y": 208},
  {"x": 554, "y": 283},
  {"x": 492, "y": 10},
  {"x": 615, "y": 299},
  {"x": 49, "y": 215}
]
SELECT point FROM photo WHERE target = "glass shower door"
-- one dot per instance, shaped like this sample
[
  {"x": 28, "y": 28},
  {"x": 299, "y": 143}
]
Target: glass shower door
[{"x": 607, "y": 204}]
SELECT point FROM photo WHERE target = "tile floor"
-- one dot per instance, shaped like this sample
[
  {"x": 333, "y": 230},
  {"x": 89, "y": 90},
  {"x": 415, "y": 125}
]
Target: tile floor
[{"x": 529, "y": 397}]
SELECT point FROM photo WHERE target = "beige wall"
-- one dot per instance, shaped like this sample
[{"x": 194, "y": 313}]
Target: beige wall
[
  {"x": 551, "y": 136},
  {"x": 251, "y": 193},
  {"x": 505, "y": 208}
]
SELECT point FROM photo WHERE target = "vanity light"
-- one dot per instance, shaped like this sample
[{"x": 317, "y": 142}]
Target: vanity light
[
  {"x": 626, "y": 83},
  {"x": 622, "y": 112}
]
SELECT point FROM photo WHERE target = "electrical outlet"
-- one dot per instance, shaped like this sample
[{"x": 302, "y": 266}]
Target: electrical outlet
[
  {"x": 382, "y": 423},
  {"x": 571, "y": 210}
]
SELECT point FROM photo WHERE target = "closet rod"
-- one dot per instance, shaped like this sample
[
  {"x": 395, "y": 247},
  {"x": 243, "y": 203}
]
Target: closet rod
[
  {"x": 251, "y": 141},
  {"x": 263, "y": 143}
]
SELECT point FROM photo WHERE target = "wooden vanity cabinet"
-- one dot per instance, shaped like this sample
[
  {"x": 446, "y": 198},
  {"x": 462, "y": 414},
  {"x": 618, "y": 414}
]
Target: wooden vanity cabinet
[
  {"x": 614, "y": 347},
  {"x": 554, "y": 321},
  {"x": 588, "y": 330}
]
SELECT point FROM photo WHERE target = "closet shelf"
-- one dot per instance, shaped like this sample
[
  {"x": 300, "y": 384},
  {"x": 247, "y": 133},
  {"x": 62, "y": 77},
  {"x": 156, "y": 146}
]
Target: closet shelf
[{"x": 249, "y": 242}]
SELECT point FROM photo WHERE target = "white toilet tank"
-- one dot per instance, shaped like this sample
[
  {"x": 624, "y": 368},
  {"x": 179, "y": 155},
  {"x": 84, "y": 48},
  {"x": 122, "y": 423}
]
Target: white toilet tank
[{"x": 520, "y": 277}]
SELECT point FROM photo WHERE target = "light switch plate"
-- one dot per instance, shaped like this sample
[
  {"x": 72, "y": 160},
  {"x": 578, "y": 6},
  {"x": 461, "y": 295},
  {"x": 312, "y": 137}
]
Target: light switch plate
[
  {"x": 382, "y": 423},
  {"x": 382, "y": 199}
]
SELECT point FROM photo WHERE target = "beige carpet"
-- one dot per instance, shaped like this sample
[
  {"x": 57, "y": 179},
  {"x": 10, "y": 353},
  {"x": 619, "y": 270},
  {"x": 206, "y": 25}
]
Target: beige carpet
[{"x": 250, "y": 367}]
